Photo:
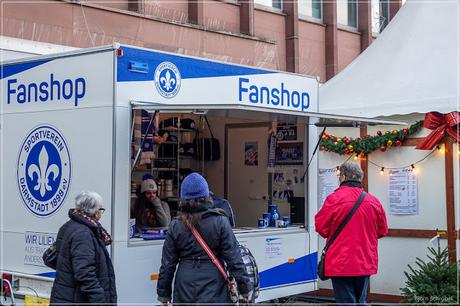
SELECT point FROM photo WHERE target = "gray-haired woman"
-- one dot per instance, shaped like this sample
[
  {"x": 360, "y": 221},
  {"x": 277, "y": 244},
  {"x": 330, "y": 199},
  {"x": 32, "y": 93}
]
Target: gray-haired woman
[{"x": 84, "y": 271}]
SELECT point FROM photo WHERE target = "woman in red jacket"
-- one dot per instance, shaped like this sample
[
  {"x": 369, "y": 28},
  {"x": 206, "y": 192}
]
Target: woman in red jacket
[{"x": 353, "y": 256}]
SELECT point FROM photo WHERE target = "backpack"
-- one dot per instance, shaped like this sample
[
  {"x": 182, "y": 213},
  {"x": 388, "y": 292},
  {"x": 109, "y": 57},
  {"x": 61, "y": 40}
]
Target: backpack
[{"x": 252, "y": 272}]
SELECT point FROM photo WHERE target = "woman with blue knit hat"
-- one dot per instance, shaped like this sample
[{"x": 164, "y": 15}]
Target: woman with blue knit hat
[{"x": 197, "y": 279}]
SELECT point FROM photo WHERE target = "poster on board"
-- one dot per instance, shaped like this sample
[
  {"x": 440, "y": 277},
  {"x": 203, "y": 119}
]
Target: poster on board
[
  {"x": 402, "y": 192},
  {"x": 328, "y": 183}
]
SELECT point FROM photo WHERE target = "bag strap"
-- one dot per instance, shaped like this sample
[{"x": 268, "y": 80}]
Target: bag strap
[
  {"x": 345, "y": 221},
  {"x": 208, "y": 251},
  {"x": 209, "y": 126}
]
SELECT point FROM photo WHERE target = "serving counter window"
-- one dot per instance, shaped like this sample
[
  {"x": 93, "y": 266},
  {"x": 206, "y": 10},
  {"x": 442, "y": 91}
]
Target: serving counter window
[{"x": 254, "y": 170}]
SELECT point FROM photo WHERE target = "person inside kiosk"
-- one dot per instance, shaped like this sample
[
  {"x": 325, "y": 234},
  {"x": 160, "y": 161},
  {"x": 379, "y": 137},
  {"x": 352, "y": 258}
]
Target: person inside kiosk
[{"x": 149, "y": 210}]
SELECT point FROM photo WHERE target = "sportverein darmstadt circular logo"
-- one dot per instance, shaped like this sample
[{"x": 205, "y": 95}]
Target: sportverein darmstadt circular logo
[
  {"x": 44, "y": 169},
  {"x": 167, "y": 79}
]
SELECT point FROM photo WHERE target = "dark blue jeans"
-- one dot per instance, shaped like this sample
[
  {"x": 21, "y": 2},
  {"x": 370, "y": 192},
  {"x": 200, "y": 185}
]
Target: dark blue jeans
[{"x": 350, "y": 290}]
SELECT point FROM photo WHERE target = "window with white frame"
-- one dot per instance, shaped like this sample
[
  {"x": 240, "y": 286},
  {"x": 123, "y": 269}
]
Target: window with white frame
[
  {"x": 380, "y": 15},
  {"x": 311, "y": 8},
  {"x": 270, "y": 3},
  {"x": 347, "y": 13}
]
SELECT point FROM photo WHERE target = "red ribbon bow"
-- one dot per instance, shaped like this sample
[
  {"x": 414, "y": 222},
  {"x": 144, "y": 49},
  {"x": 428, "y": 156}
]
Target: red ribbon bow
[{"x": 441, "y": 124}]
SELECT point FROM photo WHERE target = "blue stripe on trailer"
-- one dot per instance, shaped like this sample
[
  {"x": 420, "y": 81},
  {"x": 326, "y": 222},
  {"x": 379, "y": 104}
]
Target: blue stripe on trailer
[
  {"x": 303, "y": 269},
  {"x": 147, "y": 61},
  {"x": 9, "y": 70},
  {"x": 47, "y": 274}
]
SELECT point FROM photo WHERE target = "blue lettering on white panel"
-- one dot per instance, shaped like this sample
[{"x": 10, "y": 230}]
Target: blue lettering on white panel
[
  {"x": 52, "y": 89},
  {"x": 277, "y": 96}
]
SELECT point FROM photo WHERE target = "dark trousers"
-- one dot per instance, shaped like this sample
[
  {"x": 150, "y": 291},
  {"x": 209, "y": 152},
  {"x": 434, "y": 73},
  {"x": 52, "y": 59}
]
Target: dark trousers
[{"x": 350, "y": 290}]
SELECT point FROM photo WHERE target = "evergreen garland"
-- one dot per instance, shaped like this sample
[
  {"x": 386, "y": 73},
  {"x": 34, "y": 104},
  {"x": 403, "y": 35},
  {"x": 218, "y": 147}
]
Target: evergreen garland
[
  {"x": 367, "y": 144},
  {"x": 434, "y": 282}
]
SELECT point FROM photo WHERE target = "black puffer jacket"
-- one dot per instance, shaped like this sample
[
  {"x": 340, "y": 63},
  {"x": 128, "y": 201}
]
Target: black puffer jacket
[
  {"x": 84, "y": 272},
  {"x": 197, "y": 278}
]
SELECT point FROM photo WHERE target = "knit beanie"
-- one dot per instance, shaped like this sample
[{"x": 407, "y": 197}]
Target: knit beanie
[
  {"x": 148, "y": 185},
  {"x": 194, "y": 186}
]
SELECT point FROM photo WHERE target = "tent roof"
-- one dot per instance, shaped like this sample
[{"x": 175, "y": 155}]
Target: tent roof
[{"x": 413, "y": 66}]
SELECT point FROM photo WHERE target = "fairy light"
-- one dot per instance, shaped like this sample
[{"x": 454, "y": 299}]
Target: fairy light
[
  {"x": 440, "y": 149},
  {"x": 356, "y": 157},
  {"x": 412, "y": 166}
]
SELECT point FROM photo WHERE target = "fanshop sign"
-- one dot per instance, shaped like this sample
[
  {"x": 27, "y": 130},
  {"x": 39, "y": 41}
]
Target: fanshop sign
[{"x": 44, "y": 170}]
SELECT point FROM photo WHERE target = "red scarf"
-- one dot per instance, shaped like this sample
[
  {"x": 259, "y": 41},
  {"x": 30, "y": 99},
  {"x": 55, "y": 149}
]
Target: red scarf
[{"x": 104, "y": 234}]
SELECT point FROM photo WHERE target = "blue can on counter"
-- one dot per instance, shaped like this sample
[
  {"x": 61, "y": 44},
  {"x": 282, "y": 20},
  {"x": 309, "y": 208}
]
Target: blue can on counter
[
  {"x": 266, "y": 216},
  {"x": 286, "y": 220},
  {"x": 262, "y": 223}
]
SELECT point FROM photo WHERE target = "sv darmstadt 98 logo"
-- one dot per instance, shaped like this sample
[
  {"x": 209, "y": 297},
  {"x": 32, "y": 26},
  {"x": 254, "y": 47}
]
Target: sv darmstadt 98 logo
[
  {"x": 167, "y": 79},
  {"x": 44, "y": 170}
]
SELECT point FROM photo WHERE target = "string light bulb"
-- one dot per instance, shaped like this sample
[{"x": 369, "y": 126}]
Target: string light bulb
[
  {"x": 356, "y": 157},
  {"x": 382, "y": 170},
  {"x": 440, "y": 149}
]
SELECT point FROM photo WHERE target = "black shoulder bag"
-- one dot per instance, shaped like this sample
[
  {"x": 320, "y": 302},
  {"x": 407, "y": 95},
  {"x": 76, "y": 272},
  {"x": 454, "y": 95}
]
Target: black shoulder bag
[{"x": 321, "y": 263}]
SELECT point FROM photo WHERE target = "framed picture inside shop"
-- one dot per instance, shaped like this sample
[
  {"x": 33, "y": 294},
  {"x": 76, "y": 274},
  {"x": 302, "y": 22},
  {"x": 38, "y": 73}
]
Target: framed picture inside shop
[{"x": 289, "y": 154}]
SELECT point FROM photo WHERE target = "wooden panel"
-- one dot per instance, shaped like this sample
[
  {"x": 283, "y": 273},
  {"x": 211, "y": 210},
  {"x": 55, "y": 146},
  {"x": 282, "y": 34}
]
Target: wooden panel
[
  {"x": 415, "y": 233},
  {"x": 412, "y": 142},
  {"x": 450, "y": 206},
  {"x": 385, "y": 298},
  {"x": 371, "y": 297}
]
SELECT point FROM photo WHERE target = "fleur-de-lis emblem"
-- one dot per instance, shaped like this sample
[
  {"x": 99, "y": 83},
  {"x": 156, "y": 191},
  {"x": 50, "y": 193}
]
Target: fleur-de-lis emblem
[
  {"x": 168, "y": 81},
  {"x": 43, "y": 171}
]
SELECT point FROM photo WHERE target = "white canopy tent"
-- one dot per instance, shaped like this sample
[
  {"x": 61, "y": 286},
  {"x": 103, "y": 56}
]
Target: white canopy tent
[
  {"x": 411, "y": 69},
  {"x": 413, "y": 66}
]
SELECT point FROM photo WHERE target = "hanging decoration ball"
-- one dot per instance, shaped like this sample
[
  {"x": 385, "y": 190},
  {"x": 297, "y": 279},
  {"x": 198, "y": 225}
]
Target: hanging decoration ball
[
  {"x": 379, "y": 133},
  {"x": 389, "y": 143},
  {"x": 347, "y": 141},
  {"x": 383, "y": 148},
  {"x": 324, "y": 136},
  {"x": 335, "y": 143},
  {"x": 405, "y": 131},
  {"x": 387, "y": 133},
  {"x": 395, "y": 132},
  {"x": 339, "y": 139},
  {"x": 350, "y": 147},
  {"x": 322, "y": 148},
  {"x": 346, "y": 151},
  {"x": 398, "y": 143}
]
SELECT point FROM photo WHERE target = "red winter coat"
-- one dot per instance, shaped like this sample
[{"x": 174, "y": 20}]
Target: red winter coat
[{"x": 354, "y": 251}]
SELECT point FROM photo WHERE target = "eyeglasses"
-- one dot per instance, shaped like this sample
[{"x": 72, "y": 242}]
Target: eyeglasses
[{"x": 102, "y": 210}]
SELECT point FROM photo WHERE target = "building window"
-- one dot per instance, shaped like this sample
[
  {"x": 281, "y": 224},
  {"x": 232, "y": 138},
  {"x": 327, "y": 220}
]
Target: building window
[
  {"x": 347, "y": 13},
  {"x": 270, "y": 3},
  {"x": 311, "y": 8},
  {"x": 380, "y": 15},
  {"x": 384, "y": 13}
]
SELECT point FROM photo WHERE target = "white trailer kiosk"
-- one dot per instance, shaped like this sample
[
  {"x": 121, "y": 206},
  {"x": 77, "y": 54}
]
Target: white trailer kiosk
[{"x": 66, "y": 126}]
